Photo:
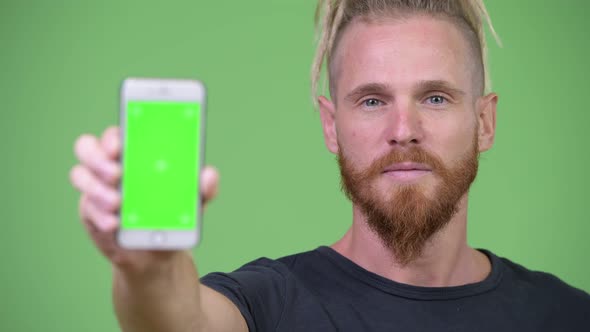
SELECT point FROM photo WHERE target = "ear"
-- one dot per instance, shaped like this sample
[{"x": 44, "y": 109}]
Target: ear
[
  {"x": 327, "y": 115},
  {"x": 486, "y": 111}
]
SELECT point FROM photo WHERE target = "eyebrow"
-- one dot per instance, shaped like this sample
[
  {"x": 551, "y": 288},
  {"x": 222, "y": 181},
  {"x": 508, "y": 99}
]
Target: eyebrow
[
  {"x": 422, "y": 86},
  {"x": 440, "y": 85},
  {"x": 366, "y": 89}
]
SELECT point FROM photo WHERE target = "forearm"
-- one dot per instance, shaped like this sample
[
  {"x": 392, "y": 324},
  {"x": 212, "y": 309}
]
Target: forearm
[{"x": 163, "y": 298}]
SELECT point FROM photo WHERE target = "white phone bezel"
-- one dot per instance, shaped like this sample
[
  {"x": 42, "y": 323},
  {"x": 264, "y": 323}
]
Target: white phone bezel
[{"x": 151, "y": 89}]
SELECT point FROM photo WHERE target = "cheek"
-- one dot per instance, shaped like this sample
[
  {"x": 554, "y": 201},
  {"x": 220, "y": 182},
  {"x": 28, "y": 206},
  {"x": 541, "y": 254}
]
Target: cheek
[
  {"x": 457, "y": 139},
  {"x": 358, "y": 142}
]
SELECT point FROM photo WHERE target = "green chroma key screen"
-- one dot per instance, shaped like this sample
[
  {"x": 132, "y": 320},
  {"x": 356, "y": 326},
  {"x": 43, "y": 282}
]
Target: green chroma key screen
[{"x": 160, "y": 165}]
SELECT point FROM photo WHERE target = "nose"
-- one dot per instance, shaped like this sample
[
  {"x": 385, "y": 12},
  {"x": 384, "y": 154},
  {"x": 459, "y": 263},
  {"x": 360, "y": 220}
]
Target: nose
[{"x": 404, "y": 126}]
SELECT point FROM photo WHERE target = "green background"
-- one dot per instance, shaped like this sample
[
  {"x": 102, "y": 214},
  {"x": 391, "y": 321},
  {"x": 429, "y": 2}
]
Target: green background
[
  {"x": 61, "y": 64},
  {"x": 160, "y": 183}
]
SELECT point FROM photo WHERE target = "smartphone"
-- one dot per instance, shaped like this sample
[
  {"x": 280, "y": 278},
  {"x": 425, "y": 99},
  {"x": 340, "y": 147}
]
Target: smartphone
[{"x": 162, "y": 124}]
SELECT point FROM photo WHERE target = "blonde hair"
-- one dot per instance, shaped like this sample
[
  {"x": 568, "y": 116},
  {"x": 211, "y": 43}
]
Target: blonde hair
[{"x": 333, "y": 16}]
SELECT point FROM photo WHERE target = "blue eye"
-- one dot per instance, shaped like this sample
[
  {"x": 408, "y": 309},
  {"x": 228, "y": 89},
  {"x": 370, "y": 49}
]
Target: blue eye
[
  {"x": 436, "y": 100},
  {"x": 372, "y": 102}
]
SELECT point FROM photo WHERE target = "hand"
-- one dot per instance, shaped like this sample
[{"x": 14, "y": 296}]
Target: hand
[{"x": 97, "y": 177}]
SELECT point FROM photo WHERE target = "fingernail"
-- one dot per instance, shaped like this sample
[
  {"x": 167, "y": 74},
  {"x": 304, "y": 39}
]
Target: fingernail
[
  {"x": 113, "y": 146},
  {"x": 112, "y": 200},
  {"x": 107, "y": 224},
  {"x": 111, "y": 170}
]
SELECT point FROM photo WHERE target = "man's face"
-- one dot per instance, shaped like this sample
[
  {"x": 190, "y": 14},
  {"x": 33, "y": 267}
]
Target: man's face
[{"x": 407, "y": 125}]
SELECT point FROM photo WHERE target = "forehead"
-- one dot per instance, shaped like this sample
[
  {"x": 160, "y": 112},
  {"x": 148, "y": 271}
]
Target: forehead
[{"x": 401, "y": 52}]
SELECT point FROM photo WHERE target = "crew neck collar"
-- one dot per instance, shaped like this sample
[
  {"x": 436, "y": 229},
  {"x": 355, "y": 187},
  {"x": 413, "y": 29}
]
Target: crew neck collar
[{"x": 417, "y": 292}]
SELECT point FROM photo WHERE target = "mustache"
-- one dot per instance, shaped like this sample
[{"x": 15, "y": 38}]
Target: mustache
[{"x": 414, "y": 154}]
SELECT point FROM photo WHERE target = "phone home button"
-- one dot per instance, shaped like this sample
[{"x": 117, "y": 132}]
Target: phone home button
[{"x": 158, "y": 238}]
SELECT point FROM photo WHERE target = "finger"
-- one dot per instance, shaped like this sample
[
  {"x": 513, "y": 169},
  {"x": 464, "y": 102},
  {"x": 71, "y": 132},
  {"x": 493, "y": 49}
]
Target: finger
[
  {"x": 103, "y": 238},
  {"x": 91, "y": 154},
  {"x": 111, "y": 142},
  {"x": 105, "y": 197},
  {"x": 95, "y": 217},
  {"x": 90, "y": 227},
  {"x": 209, "y": 183}
]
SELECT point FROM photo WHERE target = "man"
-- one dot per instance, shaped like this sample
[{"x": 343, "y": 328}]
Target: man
[{"x": 407, "y": 118}]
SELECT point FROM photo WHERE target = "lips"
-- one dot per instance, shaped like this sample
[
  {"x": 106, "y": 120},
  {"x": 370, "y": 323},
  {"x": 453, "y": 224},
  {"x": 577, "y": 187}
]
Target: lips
[
  {"x": 406, "y": 172},
  {"x": 407, "y": 166}
]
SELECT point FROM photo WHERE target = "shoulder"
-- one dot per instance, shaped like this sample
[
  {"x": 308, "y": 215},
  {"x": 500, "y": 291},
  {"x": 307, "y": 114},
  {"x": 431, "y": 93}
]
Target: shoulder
[
  {"x": 260, "y": 288},
  {"x": 264, "y": 270},
  {"x": 299, "y": 260},
  {"x": 253, "y": 277},
  {"x": 545, "y": 291}
]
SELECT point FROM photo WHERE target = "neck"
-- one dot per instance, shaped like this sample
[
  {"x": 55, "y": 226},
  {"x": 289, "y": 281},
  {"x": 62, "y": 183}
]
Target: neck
[{"x": 446, "y": 260}]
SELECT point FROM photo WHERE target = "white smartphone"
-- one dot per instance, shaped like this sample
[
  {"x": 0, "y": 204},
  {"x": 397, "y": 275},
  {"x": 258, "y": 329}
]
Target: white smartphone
[{"x": 162, "y": 124}]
